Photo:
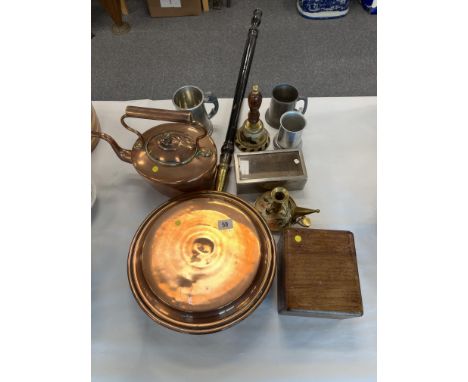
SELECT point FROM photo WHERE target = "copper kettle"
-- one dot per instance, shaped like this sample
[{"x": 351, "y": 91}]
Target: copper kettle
[{"x": 176, "y": 157}]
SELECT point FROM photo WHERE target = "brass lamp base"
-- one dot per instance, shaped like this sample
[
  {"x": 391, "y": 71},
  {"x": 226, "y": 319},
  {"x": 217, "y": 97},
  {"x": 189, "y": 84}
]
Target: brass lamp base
[
  {"x": 250, "y": 139},
  {"x": 252, "y": 136},
  {"x": 281, "y": 211}
]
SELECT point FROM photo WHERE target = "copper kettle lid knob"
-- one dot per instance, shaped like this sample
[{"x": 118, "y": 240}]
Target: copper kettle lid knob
[{"x": 171, "y": 148}]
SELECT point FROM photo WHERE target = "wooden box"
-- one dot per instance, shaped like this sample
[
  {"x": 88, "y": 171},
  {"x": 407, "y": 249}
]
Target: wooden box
[{"x": 318, "y": 274}]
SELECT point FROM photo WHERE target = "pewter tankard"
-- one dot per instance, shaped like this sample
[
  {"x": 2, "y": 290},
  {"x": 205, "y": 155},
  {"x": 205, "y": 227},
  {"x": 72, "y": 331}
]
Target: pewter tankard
[
  {"x": 191, "y": 98},
  {"x": 292, "y": 123},
  {"x": 284, "y": 98}
]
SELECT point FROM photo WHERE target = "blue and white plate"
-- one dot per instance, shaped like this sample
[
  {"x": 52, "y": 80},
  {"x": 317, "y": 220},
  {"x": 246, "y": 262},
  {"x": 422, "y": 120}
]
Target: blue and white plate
[{"x": 370, "y": 6}]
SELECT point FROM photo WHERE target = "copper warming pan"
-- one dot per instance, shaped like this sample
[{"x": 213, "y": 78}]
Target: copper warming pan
[
  {"x": 176, "y": 157},
  {"x": 201, "y": 262}
]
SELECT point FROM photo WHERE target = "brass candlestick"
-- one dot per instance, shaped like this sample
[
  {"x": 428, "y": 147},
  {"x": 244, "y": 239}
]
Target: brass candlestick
[{"x": 252, "y": 136}]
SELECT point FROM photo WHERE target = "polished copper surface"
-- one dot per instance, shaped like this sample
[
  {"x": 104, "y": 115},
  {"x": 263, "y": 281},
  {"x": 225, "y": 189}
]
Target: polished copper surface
[
  {"x": 192, "y": 264},
  {"x": 201, "y": 262},
  {"x": 177, "y": 166},
  {"x": 171, "y": 148},
  {"x": 176, "y": 157}
]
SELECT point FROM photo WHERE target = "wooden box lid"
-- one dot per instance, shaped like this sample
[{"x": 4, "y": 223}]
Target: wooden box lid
[{"x": 318, "y": 274}]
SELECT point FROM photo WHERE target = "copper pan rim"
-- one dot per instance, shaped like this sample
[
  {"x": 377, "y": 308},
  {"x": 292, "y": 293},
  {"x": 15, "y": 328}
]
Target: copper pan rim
[
  {"x": 216, "y": 324},
  {"x": 206, "y": 329}
]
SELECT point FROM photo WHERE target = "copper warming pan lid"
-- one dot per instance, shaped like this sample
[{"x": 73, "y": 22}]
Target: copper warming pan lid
[{"x": 201, "y": 262}]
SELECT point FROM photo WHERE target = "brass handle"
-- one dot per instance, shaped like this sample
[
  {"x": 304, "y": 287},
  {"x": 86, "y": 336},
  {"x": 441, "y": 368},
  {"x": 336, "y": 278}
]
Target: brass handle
[{"x": 158, "y": 114}]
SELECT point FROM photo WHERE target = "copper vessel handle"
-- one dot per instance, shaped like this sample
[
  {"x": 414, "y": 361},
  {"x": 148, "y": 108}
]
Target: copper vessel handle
[
  {"x": 154, "y": 114},
  {"x": 123, "y": 154},
  {"x": 158, "y": 114},
  {"x": 161, "y": 115},
  {"x": 204, "y": 133}
]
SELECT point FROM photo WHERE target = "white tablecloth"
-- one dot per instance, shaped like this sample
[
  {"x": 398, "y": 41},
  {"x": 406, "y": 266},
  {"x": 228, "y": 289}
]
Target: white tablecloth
[{"x": 340, "y": 151}]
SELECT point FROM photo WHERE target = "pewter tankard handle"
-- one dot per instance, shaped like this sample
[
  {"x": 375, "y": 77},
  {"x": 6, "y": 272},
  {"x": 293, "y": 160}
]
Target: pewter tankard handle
[
  {"x": 304, "y": 107},
  {"x": 211, "y": 98}
]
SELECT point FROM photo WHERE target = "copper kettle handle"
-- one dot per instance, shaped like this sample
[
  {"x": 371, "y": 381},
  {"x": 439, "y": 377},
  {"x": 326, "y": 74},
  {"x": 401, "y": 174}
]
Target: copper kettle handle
[{"x": 160, "y": 115}]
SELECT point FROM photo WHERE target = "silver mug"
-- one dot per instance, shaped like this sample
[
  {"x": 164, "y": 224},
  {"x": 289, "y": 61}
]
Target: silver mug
[
  {"x": 292, "y": 123},
  {"x": 284, "y": 99},
  {"x": 191, "y": 98}
]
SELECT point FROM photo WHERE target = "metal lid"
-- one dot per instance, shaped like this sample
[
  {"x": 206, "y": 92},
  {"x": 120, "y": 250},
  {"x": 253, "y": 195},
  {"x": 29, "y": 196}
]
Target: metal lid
[
  {"x": 201, "y": 262},
  {"x": 201, "y": 254},
  {"x": 171, "y": 148}
]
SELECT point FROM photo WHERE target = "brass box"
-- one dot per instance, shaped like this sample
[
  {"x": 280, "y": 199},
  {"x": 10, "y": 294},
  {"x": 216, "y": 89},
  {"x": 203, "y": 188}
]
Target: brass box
[
  {"x": 265, "y": 170},
  {"x": 318, "y": 274}
]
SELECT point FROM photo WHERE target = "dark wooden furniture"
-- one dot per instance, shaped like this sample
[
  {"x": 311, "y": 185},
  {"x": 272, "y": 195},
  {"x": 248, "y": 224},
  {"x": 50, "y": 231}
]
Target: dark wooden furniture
[
  {"x": 114, "y": 9},
  {"x": 318, "y": 274}
]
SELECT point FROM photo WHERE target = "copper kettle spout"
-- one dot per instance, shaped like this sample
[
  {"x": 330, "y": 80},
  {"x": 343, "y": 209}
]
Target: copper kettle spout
[{"x": 123, "y": 154}]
